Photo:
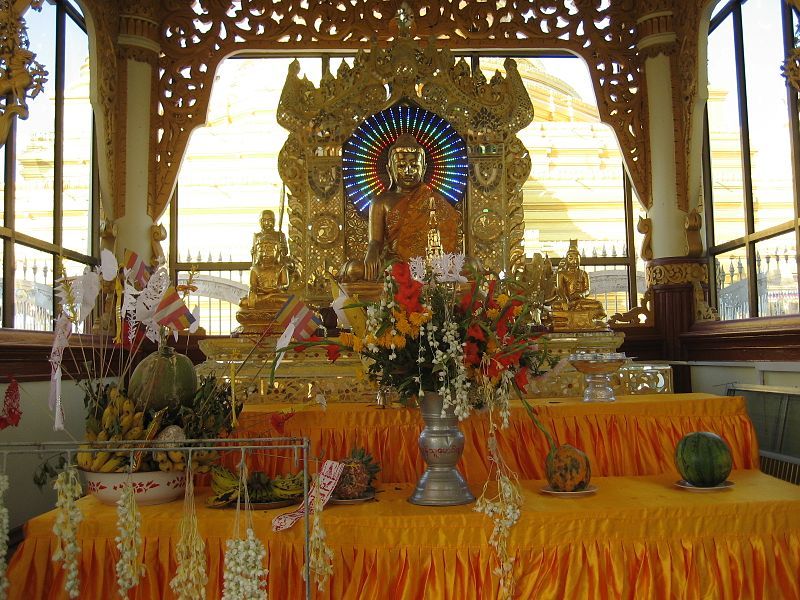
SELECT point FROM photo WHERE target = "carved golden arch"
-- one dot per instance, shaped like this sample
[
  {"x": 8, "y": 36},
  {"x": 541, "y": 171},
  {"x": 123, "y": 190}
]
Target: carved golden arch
[{"x": 196, "y": 37}]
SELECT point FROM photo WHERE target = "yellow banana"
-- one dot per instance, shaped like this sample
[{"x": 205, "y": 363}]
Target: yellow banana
[
  {"x": 85, "y": 460},
  {"x": 166, "y": 466},
  {"x": 126, "y": 422},
  {"x": 175, "y": 456},
  {"x": 110, "y": 416},
  {"x": 91, "y": 436},
  {"x": 102, "y": 436},
  {"x": 203, "y": 469},
  {"x": 160, "y": 456},
  {"x": 138, "y": 419},
  {"x": 127, "y": 407},
  {"x": 112, "y": 465},
  {"x": 134, "y": 433},
  {"x": 100, "y": 459},
  {"x": 179, "y": 466}
]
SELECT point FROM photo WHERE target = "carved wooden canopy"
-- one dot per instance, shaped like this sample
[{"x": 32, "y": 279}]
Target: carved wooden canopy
[{"x": 192, "y": 38}]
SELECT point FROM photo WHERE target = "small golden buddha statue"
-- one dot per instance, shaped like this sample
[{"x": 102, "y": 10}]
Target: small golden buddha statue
[
  {"x": 571, "y": 308},
  {"x": 398, "y": 218},
  {"x": 271, "y": 272}
]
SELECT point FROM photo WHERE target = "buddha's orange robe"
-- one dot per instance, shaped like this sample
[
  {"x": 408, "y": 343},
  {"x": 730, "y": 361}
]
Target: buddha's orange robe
[{"x": 407, "y": 224}]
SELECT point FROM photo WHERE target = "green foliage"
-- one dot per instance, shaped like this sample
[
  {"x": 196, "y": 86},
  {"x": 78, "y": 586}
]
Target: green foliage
[{"x": 48, "y": 470}]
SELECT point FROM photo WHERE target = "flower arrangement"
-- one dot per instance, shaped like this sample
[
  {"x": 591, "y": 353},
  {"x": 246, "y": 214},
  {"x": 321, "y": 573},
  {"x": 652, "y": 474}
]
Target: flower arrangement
[
  {"x": 432, "y": 330},
  {"x": 65, "y": 528}
]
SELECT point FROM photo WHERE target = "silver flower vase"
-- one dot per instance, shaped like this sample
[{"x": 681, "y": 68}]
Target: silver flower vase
[{"x": 441, "y": 444}]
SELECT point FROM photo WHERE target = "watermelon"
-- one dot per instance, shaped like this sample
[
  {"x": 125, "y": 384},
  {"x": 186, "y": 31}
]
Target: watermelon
[
  {"x": 703, "y": 459},
  {"x": 567, "y": 469}
]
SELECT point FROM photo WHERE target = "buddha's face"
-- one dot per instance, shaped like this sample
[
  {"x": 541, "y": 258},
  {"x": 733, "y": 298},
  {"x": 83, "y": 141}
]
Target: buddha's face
[
  {"x": 267, "y": 220},
  {"x": 573, "y": 260},
  {"x": 407, "y": 168}
]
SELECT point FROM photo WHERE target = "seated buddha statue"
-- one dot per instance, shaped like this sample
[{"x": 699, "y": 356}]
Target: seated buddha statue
[
  {"x": 571, "y": 307},
  {"x": 398, "y": 218},
  {"x": 272, "y": 269}
]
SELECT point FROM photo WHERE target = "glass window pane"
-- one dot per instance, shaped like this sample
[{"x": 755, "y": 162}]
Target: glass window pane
[
  {"x": 230, "y": 172},
  {"x": 77, "y": 187},
  {"x": 218, "y": 295},
  {"x": 35, "y": 137},
  {"x": 776, "y": 262},
  {"x": 732, "y": 294},
  {"x": 33, "y": 289},
  {"x": 768, "y": 114},
  {"x": 575, "y": 189},
  {"x": 725, "y": 136},
  {"x": 609, "y": 284}
]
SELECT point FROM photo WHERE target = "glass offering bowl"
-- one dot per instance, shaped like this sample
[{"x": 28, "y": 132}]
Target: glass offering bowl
[{"x": 597, "y": 368}]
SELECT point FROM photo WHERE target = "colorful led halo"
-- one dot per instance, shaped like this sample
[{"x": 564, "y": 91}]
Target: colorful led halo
[{"x": 365, "y": 154}]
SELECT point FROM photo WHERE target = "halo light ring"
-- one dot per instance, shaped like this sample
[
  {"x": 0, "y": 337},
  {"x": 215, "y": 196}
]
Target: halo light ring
[{"x": 365, "y": 154}]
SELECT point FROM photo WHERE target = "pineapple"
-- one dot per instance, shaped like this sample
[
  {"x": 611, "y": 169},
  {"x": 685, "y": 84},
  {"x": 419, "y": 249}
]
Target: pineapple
[{"x": 357, "y": 476}]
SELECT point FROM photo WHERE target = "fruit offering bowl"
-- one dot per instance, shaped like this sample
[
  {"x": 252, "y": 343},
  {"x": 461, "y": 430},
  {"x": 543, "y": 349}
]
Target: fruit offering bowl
[
  {"x": 597, "y": 368},
  {"x": 149, "y": 487}
]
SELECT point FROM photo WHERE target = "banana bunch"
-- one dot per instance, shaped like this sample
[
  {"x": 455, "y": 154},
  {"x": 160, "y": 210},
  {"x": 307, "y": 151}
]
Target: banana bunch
[
  {"x": 225, "y": 486},
  {"x": 260, "y": 487},
  {"x": 285, "y": 487},
  {"x": 118, "y": 422},
  {"x": 175, "y": 460}
]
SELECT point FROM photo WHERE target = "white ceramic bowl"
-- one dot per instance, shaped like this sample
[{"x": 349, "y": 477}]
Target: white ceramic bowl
[{"x": 149, "y": 487}]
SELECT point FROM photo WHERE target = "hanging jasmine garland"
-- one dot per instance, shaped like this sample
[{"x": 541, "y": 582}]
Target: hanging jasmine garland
[
  {"x": 129, "y": 521},
  {"x": 190, "y": 578},
  {"x": 3, "y": 535},
  {"x": 68, "y": 517},
  {"x": 244, "y": 577}
]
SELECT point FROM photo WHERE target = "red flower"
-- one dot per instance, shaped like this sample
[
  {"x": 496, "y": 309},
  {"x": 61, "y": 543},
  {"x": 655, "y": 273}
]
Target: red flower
[
  {"x": 408, "y": 296},
  {"x": 468, "y": 299},
  {"x": 494, "y": 368},
  {"x": 475, "y": 331},
  {"x": 490, "y": 301},
  {"x": 521, "y": 378},
  {"x": 401, "y": 273},
  {"x": 472, "y": 355},
  {"x": 334, "y": 352}
]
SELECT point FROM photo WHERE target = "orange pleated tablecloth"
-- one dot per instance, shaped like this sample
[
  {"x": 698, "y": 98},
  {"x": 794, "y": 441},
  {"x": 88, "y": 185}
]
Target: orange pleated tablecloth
[
  {"x": 638, "y": 537},
  {"x": 636, "y": 435}
]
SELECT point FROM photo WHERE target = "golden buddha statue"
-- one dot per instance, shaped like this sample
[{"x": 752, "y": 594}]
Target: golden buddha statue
[
  {"x": 271, "y": 274},
  {"x": 571, "y": 309},
  {"x": 399, "y": 217}
]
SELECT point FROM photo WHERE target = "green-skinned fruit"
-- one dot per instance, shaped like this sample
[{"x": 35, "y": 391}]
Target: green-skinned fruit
[
  {"x": 703, "y": 459},
  {"x": 164, "y": 379}
]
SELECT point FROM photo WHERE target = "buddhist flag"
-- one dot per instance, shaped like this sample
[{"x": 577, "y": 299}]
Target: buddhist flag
[
  {"x": 306, "y": 322},
  {"x": 135, "y": 267},
  {"x": 172, "y": 312}
]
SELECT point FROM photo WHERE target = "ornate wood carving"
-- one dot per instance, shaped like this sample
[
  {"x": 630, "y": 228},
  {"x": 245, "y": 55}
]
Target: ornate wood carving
[
  {"x": 195, "y": 37},
  {"x": 645, "y": 226},
  {"x": 676, "y": 272},
  {"x": 638, "y": 316},
  {"x": 694, "y": 242},
  {"x": 22, "y": 78}
]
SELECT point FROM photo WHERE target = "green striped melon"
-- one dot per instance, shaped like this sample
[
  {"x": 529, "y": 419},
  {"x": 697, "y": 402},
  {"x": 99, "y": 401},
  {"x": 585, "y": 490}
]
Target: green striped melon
[{"x": 703, "y": 459}]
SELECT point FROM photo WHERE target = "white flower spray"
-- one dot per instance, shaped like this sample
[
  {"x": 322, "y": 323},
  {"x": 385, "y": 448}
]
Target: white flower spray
[
  {"x": 3, "y": 536},
  {"x": 244, "y": 576},
  {"x": 129, "y": 541},
  {"x": 320, "y": 558},
  {"x": 68, "y": 517},
  {"x": 191, "y": 577},
  {"x": 504, "y": 511}
]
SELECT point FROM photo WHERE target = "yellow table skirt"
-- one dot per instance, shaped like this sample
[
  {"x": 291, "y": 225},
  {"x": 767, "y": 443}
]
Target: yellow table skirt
[
  {"x": 638, "y": 537},
  {"x": 634, "y": 436}
]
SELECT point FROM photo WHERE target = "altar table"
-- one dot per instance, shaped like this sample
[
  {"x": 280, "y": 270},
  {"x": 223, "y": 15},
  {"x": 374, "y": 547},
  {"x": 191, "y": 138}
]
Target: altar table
[
  {"x": 636, "y": 435},
  {"x": 638, "y": 537}
]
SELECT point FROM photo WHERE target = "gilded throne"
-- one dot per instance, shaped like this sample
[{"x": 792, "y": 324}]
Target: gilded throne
[{"x": 422, "y": 86}]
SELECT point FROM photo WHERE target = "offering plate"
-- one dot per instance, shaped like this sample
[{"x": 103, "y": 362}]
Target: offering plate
[{"x": 597, "y": 368}]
